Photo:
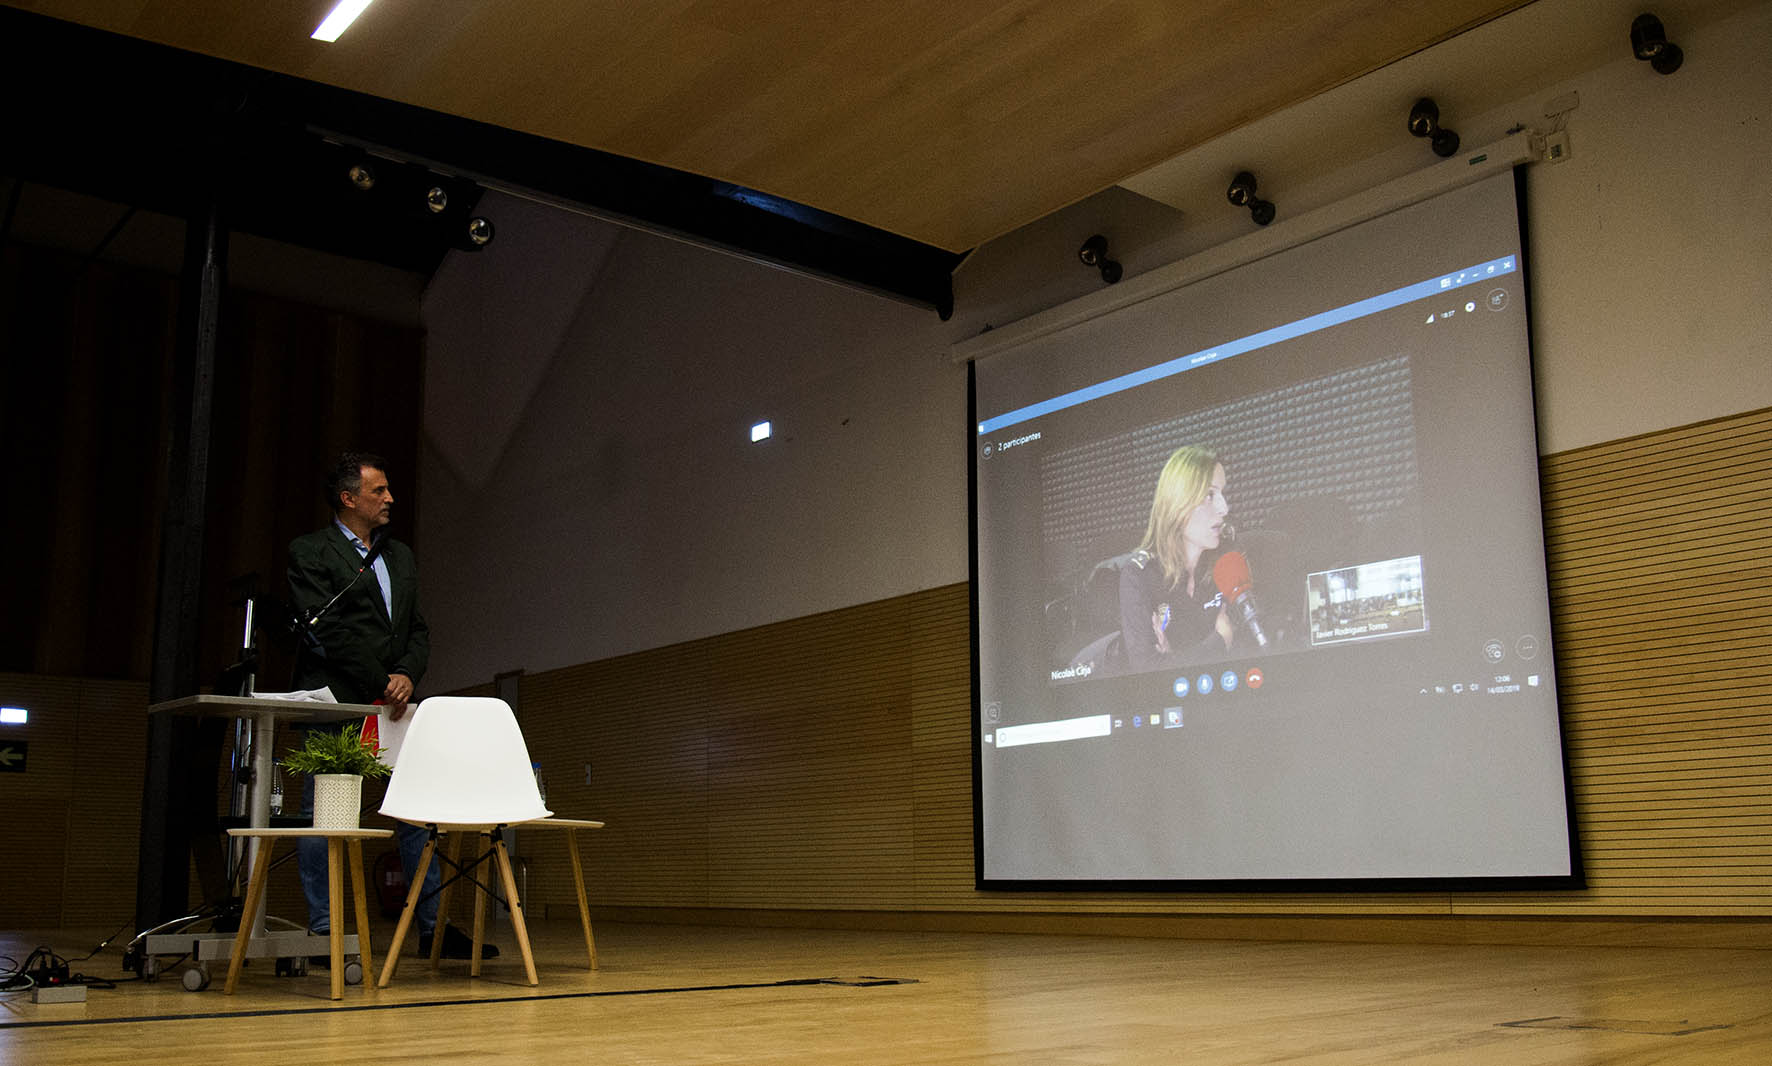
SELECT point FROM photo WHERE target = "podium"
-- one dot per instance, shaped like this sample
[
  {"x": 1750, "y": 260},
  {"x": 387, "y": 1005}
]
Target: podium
[{"x": 261, "y": 716}]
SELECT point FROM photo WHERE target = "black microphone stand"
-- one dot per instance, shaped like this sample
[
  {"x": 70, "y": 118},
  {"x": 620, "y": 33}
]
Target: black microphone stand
[{"x": 303, "y": 623}]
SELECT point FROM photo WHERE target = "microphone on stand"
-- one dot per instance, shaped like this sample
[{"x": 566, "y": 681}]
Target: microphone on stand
[
  {"x": 1231, "y": 574},
  {"x": 375, "y": 551}
]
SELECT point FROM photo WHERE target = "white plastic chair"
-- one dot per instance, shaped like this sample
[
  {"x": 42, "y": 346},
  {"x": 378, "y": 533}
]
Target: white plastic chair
[{"x": 463, "y": 767}]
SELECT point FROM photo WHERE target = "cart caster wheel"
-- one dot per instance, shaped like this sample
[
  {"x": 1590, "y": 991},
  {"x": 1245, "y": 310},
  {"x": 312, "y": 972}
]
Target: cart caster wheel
[
  {"x": 285, "y": 967},
  {"x": 196, "y": 979},
  {"x": 354, "y": 972},
  {"x": 150, "y": 968}
]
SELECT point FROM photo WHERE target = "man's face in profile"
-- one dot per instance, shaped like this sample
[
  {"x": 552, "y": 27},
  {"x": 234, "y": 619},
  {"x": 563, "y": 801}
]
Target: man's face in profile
[{"x": 373, "y": 502}]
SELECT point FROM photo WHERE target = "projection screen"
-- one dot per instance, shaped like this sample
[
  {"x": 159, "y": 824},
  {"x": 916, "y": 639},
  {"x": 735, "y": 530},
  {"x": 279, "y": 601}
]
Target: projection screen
[{"x": 1260, "y": 577}]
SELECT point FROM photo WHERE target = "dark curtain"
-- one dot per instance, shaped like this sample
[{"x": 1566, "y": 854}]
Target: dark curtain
[{"x": 85, "y": 380}]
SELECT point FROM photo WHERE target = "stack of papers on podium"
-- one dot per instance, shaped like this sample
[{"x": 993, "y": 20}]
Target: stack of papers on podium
[{"x": 312, "y": 695}]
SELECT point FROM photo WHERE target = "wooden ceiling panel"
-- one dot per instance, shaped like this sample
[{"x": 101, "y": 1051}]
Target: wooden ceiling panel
[
  {"x": 229, "y": 29},
  {"x": 948, "y": 122}
]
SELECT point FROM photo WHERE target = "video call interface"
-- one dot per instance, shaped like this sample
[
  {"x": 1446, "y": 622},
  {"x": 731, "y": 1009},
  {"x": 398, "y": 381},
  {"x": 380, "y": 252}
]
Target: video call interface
[{"x": 1260, "y": 575}]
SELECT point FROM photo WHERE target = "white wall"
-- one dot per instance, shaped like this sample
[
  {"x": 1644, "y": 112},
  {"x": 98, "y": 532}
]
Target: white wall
[
  {"x": 611, "y": 500},
  {"x": 1652, "y": 244},
  {"x": 589, "y": 488}
]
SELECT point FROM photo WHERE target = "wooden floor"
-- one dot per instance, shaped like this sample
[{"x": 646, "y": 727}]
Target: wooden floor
[{"x": 680, "y": 994}]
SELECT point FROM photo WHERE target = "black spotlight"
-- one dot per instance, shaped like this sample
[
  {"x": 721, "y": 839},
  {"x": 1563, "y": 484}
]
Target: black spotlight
[
  {"x": 1094, "y": 253},
  {"x": 1424, "y": 121},
  {"x": 1242, "y": 194},
  {"x": 1648, "y": 42},
  {"x": 479, "y": 232},
  {"x": 362, "y": 175},
  {"x": 437, "y": 199}
]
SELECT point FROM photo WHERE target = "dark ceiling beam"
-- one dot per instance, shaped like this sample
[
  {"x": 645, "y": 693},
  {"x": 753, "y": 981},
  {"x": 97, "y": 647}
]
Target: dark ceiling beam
[
  {"x": 116, "y": 116},
  {"x": 150, "y": 128},
  {"x": 714, "y": 213}
]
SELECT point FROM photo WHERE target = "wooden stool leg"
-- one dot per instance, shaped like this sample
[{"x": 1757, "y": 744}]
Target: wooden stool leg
[
  {"x": 362, "y": 903},
  {"x": 450, "y": 869},
  {"x": 522, "y": 931},
  {"x": 479, "y": 925},
  {"x": 578, "y": 882},
  {"x": 335, "y": 887},
  {"x": 412, "y": 894},
  {"x": 255, "y": 894}
]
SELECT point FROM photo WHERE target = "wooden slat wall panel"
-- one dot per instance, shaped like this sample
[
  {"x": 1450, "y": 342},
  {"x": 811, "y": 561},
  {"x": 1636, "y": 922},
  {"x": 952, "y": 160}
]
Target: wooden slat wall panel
[
  {"x": 73, "y": 818},
  {"x": 625, "y": 741},
  {"x": 824, "y": 763},
  {"x": 803, "y": 810},
  {"x": 36, "y": 801},
  {"x": 104, "y": 810},
  {"x": 940, "y": 713},
  {"x": 1660, "y": 554}
]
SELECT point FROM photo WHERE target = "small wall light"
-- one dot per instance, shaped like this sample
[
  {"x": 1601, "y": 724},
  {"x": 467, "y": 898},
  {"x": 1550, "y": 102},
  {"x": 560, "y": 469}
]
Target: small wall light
[
  {"x": 1648, "y": 42},
  {"x": 761, "y": 431},
  {"x": 1094, "y": 253},
  {"x": 1424, "y": 121},
  {"x": 1242, "y": 194}
]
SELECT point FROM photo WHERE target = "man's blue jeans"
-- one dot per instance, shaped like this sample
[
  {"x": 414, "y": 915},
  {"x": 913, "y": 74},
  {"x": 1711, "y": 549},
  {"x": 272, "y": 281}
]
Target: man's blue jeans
[{"x": 311, "y": 857}]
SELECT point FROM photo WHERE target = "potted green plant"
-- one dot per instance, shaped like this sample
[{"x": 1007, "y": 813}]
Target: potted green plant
[{"x": 338, "y": 762}]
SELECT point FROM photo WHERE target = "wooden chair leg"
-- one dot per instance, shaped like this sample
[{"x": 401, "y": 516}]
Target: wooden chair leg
[
  {"x": 578, "y": 882},
  {"x": 255, "y": 894},
  {"x": 359, "y": 897},
  {"x": 479, "y": 926},
  {"x": 522, "y": 931},
  {"x": 335, "y": 887},
  {"x": 450, "y": 868},
  {"x": 412, "y": 893}
]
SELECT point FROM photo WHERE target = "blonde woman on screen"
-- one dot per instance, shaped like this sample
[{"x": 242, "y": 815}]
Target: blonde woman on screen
[{"x": 1170, "y": 611}]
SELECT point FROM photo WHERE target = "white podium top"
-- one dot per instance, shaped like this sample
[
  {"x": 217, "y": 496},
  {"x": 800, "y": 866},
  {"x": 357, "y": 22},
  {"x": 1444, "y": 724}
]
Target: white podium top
[{"x": 257, "y": 707}]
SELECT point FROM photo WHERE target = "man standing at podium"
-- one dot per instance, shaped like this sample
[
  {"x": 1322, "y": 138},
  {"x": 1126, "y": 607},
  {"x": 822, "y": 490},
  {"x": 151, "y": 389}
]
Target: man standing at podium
[{"x": 368, "y": 644}]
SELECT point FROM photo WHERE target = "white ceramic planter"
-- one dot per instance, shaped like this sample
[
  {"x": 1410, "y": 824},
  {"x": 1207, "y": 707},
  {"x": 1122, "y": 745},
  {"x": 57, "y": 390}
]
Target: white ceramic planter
[{"x": 337, "y": 800}]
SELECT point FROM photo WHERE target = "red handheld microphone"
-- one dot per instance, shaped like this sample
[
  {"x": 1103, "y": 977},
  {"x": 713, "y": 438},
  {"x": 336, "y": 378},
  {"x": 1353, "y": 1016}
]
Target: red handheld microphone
[{"x": 1231, "y": 574}]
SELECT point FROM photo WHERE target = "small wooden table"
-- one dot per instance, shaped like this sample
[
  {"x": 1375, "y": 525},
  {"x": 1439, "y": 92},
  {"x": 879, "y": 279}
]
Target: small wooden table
[
  {"x": 572, "y": 826},
  {"x": 337, "y": 841}
]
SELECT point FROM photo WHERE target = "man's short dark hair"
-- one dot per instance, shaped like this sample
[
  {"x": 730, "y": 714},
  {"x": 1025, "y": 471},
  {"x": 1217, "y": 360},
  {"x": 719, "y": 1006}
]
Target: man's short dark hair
[{"x": 346, "y": 475}]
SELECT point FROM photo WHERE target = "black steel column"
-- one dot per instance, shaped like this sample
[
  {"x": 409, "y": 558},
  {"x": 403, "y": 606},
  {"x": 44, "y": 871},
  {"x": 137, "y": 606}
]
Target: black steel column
[{"x": 176, "y": 758}]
